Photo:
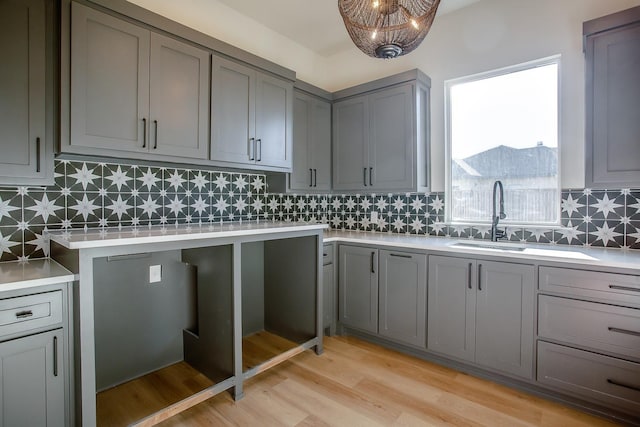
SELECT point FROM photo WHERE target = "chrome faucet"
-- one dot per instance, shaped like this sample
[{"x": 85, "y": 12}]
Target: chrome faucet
[{"x": 495, "y": 233}]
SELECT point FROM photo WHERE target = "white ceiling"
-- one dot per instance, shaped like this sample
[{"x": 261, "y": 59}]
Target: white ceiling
[{"x": 315, "y": 24}]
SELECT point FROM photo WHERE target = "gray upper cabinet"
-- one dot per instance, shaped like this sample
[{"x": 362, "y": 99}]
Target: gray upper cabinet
[
  {"x": 612, "y": 49},
  {"x": 311, "y": 143},
  {"x": 135, "y": 91},
  {"x": 403, "y": 297},
  {"x": 32, "y": 381},
  {"x": 251, "y": 117},
  {"x": 358, "y": 282},
  {"x": 380, "y": 136},
  {"x": 482, "y": 312},
  {"x": 26, "y": 96}
]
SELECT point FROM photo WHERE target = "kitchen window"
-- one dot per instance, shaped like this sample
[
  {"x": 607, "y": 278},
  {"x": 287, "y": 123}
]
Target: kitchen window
[{"x": 503, "y": 125}]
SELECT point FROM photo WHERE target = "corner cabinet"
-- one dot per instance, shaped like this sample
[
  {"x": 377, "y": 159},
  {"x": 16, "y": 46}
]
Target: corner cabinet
[
  {"x": 482, "y": 312},
  {"x": 26, "y": 92},
  {"x": 135, "y": 91},
  {"x": 612, "y": 51},
  {"x": 384, "y": 292},
  {"x": 311, "y": 143},
  {"x": 251, "y": 117},
  {"x": 381, "y": 136}
]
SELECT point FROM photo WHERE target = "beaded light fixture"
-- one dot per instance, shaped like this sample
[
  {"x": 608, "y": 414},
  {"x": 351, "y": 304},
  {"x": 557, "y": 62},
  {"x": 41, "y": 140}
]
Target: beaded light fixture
[{"x": 387, "y": 28}]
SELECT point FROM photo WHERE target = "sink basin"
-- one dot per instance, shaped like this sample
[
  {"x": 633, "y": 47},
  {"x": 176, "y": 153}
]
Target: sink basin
[{"x": 496, "y": 246}]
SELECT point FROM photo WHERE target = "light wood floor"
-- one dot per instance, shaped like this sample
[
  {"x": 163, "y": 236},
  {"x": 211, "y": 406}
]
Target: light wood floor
[{"x": 354, "y": 383}]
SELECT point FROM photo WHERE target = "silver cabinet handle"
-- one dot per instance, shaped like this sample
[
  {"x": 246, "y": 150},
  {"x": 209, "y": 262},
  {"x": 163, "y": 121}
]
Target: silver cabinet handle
[
  {"x": 144, "y": 132},
  {"x": 38, "y": 154},
  {"x": 469, "y": 275},
  {"x": 24, "y": 314},
  {"x": 55, "y": 356},
  {"x": 155, "y": 143},
  {"x": 259, "y": 149},
  {"x": 479, "y": 277},
  {"x": 624, "y": 331},
  {"x": 371, "y": 177},
  {"x": 624, "y": 288},
  {"x": 621, "y": 384},
  {"x": 364, "y": 176}
]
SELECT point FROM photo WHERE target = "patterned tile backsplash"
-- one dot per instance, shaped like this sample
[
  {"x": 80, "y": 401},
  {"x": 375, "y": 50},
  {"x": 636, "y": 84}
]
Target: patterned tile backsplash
[{"x": 91, "y": 194}]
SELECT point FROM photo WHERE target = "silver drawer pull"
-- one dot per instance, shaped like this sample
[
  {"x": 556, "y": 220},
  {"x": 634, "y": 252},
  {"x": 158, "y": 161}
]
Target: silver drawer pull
[
  {"x": 24, "y": 314},
  {"x": 624, "y": 288},
  {"x": 620, "y": 384},
  {"x": 624, "y": 331}
]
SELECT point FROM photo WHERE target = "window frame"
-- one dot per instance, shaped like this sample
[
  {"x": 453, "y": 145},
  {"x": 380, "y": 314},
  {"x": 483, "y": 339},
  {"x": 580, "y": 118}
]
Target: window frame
[{"x": 448, "y": 84}]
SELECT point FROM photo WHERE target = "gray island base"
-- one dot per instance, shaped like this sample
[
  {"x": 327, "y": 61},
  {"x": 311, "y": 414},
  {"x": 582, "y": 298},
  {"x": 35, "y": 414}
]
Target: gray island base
[{"x": 147, "y": 298}]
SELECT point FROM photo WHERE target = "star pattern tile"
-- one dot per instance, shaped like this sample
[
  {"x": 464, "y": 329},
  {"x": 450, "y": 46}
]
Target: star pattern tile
[{"x": 93, "y": 194}]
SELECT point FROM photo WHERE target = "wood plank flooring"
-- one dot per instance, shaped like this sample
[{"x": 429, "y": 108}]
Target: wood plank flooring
[{"x": 354, "y": 383}]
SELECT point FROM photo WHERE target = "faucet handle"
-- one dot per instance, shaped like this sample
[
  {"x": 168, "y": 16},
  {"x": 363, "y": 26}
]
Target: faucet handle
[{"x": 500, "y": 234}]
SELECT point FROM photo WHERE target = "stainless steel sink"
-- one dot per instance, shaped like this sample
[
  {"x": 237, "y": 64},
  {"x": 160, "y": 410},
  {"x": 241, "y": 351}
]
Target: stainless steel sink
[{"x": 496, "y": 246}]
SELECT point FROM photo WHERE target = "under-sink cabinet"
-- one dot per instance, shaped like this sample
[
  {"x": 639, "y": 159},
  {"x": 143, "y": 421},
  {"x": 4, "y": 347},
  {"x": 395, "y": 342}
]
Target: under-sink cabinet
[
  {"x": 589, "y": 321},
  {"x": 482, "y": 312},
  {"x": 135, "y": 91},
  {"x": 383, "y": 292}
]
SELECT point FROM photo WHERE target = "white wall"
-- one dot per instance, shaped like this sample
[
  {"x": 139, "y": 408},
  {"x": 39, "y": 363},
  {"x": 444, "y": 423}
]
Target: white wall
[{"x": 486, "y": 35}]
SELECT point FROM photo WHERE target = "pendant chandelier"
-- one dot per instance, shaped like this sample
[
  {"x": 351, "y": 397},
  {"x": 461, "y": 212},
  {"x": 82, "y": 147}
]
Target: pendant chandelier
[{"x": 387, "y": 28}]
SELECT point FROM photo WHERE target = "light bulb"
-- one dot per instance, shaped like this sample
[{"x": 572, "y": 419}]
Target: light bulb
[
  {"x": 415, "y": 24},
  {"x": 375, "y": 4},
  {"x": 374, "y": 34}
]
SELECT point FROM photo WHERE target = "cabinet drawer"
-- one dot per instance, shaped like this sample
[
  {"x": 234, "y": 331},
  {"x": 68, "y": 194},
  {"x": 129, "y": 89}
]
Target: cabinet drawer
[
  {"x": 616, "y": 288},
  {"x": 604, "y": 380},
  {"x": 598, "y": 326},
  {"x": 29, "y": 312},
  {"x": 327, "y": 255}
]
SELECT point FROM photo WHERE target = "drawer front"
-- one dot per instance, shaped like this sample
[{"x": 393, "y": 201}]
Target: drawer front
[
  {"x": 327, "y": 255},
  {"x": 22, "y": 314},
  {"x": 600, "y": 379},
  {"x": 598, "y": 326},
  {"x": 616, "y": 288}
]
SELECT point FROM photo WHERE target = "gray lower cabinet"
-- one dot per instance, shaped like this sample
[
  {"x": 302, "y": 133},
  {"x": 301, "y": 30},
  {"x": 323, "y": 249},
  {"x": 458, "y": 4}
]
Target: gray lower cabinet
[
  {"x": 328, "y": 290},
  {"x": 380, "y": 137},
  {"x": 384, "y": 292},
  {"x": 358, "y": 282},
  {"x": 135, "y": 91},
  {"x": 482, "y": 312},
  {"x": 251, "y": 117},
  {"x": 311, "y": 143},
  {"x": 32, "y": 384},
  {"x": 403, "y": 297},
  {"x": 26, "y": 96},
  {"x": 612, "y": 50},
  {"x": 589, "y": 322}
]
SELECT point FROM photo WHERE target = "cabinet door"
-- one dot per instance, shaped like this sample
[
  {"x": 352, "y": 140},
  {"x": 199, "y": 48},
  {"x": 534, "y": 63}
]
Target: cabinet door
[
  {"x": 32, "y": 383},
  {"x": 350, "y": 141},
  {"x": 301, "y": 177},
  {"x": 179, "y": 114},
  {"x": 22, "y": 88},
  {"x": 613, "y": 107},
  {"x": 358, "y": 281},
  {"x": 504, "y": 317},
  {"x": 232, "y": 112},
  {"x": 451, "y": 306},
  {"x": 327, "y": 299},
  {"x": 392, "y": 139},
  {"x": 274, "y": 121},
  {"x": 320, "y": 148},
  {"x": 109, "y": 81},
  {"x": 403, "y": 297}
]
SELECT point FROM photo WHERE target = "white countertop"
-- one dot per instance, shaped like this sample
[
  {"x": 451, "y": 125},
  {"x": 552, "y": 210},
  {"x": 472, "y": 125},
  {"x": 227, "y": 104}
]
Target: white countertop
[
  {"x": 594, "y": 257},
  {"x": 38, "y": 272},
  {"x": 109, "y": 237}
]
